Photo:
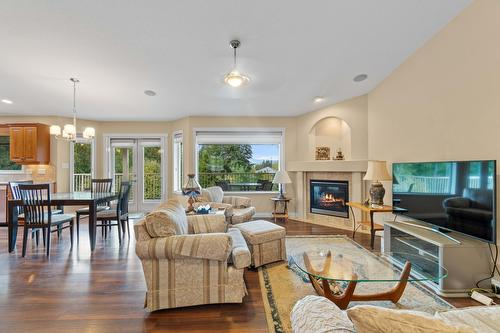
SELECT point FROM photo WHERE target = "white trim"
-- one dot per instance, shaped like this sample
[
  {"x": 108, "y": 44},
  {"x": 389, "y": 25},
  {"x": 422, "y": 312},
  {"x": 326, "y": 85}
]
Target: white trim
[
  {"x": 241, "y": 129},
  {"x": 72, "y": 160},
  {"x": 174, "y": 160}
]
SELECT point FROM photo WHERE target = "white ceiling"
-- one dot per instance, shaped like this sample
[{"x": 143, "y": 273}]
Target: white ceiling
[{"x": 292, "y": 51}]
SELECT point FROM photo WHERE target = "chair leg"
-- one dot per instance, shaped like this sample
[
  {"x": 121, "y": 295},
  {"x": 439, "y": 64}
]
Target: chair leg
[
  {"x": 43, "y": 236},
  {"x": 25, "y": 239},
  {"x": 128, "y": 228},
  {"x": 71, "y": 227},
  {"x": 37, "y": 237},
  {"x": 58, "y": 231},
  {"x": 102, "y": 229},
  {"x": 48, "y": 241},
  {"x": 105, "y": 230},
  {"x": 119, "y": 230},
  {"x": 77, "y": 227}
]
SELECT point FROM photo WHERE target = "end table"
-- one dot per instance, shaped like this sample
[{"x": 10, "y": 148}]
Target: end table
[{"x": 280, "y": 213}]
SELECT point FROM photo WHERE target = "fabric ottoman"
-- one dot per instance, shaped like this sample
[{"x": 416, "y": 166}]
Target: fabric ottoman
[{"x": 265, "y": 240}]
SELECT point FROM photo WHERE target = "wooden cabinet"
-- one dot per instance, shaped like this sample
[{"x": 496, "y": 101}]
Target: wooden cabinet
[{"x": 29, "y": 143}]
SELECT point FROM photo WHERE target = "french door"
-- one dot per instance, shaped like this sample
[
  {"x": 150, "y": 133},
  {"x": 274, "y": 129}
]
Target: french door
[{"x": 142, "y": 162}]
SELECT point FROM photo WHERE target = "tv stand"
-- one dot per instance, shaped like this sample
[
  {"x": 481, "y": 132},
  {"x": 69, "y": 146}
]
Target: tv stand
[
  {"x": 467, "y": 260},
  {"x": 441, "y": 231}
]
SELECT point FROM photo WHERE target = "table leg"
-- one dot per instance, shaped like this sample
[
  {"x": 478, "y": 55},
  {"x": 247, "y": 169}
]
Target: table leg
[
  {"x": 275, "y": 211},
  {"x": 372, "y": 231},
  {"x": 12, "y": 222},
  {"x": 92, "y": 223}
]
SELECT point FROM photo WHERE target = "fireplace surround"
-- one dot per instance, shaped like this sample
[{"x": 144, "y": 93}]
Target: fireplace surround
[{"x": 329, "y": 197}]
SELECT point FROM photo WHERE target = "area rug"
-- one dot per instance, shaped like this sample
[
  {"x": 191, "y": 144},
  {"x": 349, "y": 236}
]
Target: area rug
[{"x": 283, "y": 285}]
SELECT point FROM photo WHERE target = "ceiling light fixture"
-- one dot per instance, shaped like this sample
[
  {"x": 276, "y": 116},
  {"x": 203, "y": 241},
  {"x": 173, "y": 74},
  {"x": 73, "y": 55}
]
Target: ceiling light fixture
[
  {"x": 69, "y": 130},
  {"x": 360, "y": 77},
  {"x": 318, "y": 99},
  {"x": 234, "y": 78},
  {"x": 7, "y": 101},
  {"x": 150, "y": 92}
]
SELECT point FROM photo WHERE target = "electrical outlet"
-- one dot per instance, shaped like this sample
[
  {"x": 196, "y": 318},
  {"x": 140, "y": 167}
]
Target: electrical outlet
[
  {"x": 495, "y": 286},
  {"x": 41, "y": 171}
]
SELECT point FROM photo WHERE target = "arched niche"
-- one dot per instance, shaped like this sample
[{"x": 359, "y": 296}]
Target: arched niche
[{"x": 331, "y": 132}]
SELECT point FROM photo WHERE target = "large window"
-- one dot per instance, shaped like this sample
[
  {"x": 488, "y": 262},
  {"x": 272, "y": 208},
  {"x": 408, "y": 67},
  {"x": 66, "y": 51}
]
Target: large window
[
  {"x": 82, "y": 165},
  {"x": 5, "y": 163},
  {"x": 178, "y": 160},
  {"x": 239, "y": 160}
]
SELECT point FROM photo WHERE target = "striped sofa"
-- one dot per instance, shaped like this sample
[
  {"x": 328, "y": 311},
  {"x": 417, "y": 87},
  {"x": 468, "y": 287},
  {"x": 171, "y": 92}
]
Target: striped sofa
[
  {"x": 190, "y": 260},
  {"x": 238, "y": 209}
]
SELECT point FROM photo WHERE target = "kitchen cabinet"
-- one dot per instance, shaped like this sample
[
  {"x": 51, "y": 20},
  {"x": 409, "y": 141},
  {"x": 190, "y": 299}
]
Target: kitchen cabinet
[{"x": 29, "y": 143}]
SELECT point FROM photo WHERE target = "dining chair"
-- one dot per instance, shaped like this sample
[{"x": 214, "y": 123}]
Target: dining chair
[
  {"x": 104, "y": 185},
  {"x": 120, "y": 214},
  {"x": 38, "y": 214}
]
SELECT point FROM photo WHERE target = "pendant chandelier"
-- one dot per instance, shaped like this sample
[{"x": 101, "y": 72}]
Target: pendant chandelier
[
  {"x": 69, "y": 130},
  {"x": 234, "y": 78}
]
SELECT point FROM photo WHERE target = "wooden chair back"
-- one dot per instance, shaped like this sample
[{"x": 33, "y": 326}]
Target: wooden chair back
[
  {"x": 123, "y": 197},
  {"x": 36, "y": 204},
  {"x": 15, "y": 194},
  {"x": 104, "y": 185}
]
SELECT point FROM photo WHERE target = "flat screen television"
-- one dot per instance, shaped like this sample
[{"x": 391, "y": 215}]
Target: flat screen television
[{"x": 452, "y": 196}]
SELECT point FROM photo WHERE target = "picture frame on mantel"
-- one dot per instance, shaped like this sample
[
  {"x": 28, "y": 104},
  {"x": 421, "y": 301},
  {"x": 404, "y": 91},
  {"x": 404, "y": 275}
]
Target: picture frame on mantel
[{"x": 322, "y": 153}]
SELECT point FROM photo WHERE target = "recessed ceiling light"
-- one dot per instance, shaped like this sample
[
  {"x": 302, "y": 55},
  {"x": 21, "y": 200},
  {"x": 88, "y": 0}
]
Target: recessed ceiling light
[
  {"x": 7, "y": 101},
  {"x": 318, "y": 99},
  {"x": 150, "y": 92},
  {"x": 360, "y": 77}
]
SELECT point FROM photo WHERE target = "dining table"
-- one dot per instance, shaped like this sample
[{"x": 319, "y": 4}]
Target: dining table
[
  {"x": 244, "y": 186},
  {"x": 62, "y": 199}
]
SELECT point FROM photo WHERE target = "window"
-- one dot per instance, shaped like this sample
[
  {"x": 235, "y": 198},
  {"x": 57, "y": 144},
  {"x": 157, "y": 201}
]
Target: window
[
  {"x": 178, "y": 159},
  {"x": 238, "y": 160},
  {"x": 82, "y": 165},
  {"x": 5, "y": 163},
  {"x": 435, "y": 178}
]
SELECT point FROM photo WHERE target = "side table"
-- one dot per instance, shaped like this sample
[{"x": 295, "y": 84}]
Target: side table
[
  {"x": 372, "y": 225},
  {"x": 280, "y": 213}
]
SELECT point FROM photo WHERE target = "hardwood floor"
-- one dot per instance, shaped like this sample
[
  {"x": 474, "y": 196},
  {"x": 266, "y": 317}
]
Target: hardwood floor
[{"x": 75, "y": 291}]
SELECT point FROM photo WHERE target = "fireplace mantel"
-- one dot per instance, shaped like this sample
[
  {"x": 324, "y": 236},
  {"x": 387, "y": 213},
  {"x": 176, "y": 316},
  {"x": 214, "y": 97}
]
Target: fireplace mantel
[{"x": 327, "y": 166}]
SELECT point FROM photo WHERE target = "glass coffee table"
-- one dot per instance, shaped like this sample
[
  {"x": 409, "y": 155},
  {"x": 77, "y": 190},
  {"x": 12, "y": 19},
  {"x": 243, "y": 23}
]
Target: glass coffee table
[{"x": 329, "y": 268}]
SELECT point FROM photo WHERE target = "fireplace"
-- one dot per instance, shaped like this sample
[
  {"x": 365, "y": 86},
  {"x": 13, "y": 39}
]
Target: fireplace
[{"x": 329, "y": 197}]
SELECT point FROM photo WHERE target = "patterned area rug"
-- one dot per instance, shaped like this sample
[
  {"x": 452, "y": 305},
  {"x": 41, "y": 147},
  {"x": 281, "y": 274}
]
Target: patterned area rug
[{"x": 282, "y": 286}]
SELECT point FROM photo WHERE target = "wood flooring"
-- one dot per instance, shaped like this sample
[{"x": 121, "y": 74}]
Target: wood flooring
[{"x": 76, "y": 291}]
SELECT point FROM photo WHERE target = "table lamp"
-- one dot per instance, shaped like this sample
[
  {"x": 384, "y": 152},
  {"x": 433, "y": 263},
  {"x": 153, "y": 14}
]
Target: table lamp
[
  {"x": 192, "y": 189},
  {"x": 377, "y": 171},
  {"x": 281, "y": 177}
]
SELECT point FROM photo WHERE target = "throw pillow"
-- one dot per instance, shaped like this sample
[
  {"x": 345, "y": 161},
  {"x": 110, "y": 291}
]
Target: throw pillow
[
  {"x": 168, "y": 220},
  {"x": 374, "y": 319}
]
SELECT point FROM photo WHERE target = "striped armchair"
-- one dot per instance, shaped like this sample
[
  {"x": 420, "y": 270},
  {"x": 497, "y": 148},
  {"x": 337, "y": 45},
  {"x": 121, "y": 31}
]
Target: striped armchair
[
  {"x": 238, "y": 209},
  {"x": 190, "y": 260}
]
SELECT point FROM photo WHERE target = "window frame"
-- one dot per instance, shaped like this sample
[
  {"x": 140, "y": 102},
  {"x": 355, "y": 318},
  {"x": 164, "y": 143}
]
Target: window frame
[
  {"x": 177, "y": 161},
  {"x": 239, "y": 131},
  {"x": 72, "y": 160}
]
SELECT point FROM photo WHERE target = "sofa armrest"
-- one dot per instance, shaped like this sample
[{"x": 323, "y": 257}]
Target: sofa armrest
[
  {"x": 240, "y": 254},
  {"x": 237, "y": 201},
  {"x": 216, "y": 246},
  {"x": 457, "y": 202},
  {"x": 206, "y": 223}
]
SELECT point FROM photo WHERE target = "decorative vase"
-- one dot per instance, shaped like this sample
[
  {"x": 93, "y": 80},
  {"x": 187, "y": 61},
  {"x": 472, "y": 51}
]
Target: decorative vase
[{"x": 377, "y": 192}]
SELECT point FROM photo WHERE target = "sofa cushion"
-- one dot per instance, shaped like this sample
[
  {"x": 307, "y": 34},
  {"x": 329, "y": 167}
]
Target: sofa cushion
[
  {"x": 374, "y": 319},
  {"x": 260, "y": 231},
  {"x": 168, "y": 220},
  {"x": 212, "y": 194},
  {"x": 240, "y": 255},
  {"x": 316, "y": 314},
  {"x": 241, "y": 215},
  {"x": 237, "y": 201},
  {"x": 484, "y": 319},
  {"x": 207, "y": 223}
]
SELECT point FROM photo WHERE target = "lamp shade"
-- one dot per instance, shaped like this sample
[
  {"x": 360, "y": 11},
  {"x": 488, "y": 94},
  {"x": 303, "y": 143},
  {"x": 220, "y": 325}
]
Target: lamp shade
[
  {"x": 377, "y": 170},
  {"x": 281, "y": 177}
]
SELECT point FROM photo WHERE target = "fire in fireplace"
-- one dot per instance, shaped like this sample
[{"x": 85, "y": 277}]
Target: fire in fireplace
[{"x": 329, "y": 197}]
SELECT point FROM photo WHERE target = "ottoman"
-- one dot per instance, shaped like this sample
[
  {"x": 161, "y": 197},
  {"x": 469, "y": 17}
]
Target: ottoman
[{"x": 265, "y": 240}]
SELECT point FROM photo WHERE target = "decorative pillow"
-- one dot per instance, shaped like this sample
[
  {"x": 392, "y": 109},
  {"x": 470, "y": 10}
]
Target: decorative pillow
[
  {"x": 216, "y": 194},
  {"x": 374, "y": 319},
  {"x": 168, "y": 220}
]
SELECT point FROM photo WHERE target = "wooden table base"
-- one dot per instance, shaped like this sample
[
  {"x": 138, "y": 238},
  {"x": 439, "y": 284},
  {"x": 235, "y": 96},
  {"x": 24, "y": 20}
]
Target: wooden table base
[{"x": 323, "y": 288}]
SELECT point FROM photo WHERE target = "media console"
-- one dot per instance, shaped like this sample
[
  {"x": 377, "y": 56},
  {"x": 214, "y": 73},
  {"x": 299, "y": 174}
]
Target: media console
[{"x": 467, "y": 260}]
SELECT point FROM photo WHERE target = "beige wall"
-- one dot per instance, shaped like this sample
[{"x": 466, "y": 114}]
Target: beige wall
[
  {"x": 443, "y": 103},
  {"x": 296, "y": 145}
]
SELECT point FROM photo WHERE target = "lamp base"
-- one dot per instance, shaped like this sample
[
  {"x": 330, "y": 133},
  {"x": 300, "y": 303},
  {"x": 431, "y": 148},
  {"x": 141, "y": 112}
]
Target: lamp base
[{"x": 377, "y": 192}]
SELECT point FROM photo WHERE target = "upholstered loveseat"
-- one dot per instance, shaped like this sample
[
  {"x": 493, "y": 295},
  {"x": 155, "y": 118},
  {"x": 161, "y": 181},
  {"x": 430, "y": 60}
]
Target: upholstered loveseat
[
  {"x": 238, "y": 209},
  {"x": 190, "y": 260},
  {"x": 316, "y": 314}
]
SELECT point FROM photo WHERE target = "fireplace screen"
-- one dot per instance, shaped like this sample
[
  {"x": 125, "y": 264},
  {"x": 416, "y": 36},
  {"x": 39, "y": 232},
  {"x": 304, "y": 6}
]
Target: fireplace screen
[{"x": 329, "y": 197}]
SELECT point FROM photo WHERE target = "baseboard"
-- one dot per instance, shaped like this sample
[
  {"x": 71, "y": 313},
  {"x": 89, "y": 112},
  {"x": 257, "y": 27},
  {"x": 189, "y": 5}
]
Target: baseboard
[{"x": 266, "y": 215}]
